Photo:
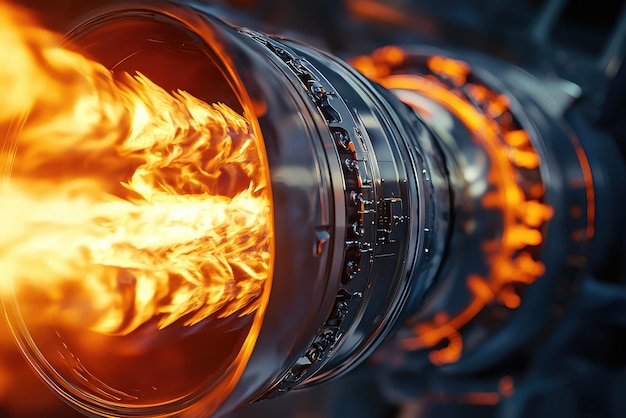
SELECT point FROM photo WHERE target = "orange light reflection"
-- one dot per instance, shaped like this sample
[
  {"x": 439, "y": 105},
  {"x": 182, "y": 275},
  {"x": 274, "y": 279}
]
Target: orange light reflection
[{"x": 523, "y": 217}]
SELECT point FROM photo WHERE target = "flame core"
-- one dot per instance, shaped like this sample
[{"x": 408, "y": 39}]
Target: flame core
[{"x": 128, "y": 204}]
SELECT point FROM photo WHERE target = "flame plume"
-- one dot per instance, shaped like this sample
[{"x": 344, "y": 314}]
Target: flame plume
[{"x": 128, "y": 204}]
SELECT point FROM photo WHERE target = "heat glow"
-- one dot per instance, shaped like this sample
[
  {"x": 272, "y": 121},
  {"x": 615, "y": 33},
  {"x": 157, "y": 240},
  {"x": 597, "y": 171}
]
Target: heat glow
[
  {"x": 510, "y": 263},
  {"x": 129, "y": 205}
]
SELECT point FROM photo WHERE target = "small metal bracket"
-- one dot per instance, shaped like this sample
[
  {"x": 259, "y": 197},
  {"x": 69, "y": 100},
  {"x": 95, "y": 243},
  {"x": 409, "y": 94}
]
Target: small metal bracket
[{"x": 389, "y": 211}]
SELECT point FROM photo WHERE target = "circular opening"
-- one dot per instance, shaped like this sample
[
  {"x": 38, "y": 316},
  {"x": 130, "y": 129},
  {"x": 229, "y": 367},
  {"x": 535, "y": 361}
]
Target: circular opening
[{"x": 152, "y": 366}]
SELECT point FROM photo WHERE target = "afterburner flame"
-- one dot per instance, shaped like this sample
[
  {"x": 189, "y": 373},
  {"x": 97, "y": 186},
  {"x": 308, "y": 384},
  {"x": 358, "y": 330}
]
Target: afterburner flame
[{"x": 128, "y": 204}]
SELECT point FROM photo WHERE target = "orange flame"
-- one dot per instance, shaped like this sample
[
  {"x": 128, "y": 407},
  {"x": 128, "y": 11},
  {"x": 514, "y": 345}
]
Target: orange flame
[{"x": 149, "y": 206}]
